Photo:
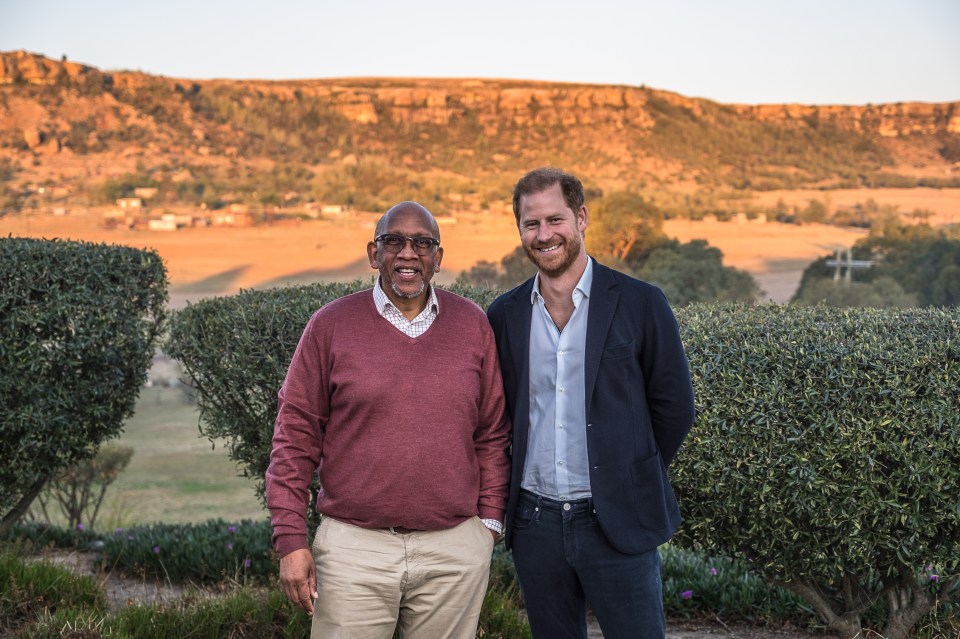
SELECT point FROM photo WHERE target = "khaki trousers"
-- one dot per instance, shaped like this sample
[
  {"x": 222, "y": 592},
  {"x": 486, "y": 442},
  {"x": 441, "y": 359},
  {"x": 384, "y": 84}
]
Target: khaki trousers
[{"x": 429, "y": 584}]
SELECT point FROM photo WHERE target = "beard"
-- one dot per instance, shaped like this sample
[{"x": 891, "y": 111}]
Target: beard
[
  {"x": 556, "y": 264},
  {"x": 408, "y": 295}
]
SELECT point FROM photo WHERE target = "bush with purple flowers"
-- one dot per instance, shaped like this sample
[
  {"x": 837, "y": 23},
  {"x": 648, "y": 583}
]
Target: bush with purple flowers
[{"x": 200, "y": 552}]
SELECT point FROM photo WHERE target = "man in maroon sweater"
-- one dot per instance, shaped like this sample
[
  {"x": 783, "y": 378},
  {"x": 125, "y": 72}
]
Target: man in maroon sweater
[{"x": 394, "y": 396}]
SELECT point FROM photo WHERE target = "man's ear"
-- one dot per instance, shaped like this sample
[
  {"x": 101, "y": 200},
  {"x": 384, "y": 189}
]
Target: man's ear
[{"x": 372, "y": 255}]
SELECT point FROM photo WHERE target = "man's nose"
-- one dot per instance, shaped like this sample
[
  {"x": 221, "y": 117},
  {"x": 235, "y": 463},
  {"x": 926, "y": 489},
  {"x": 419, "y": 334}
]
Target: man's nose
[{"x": 407, "y": 249}]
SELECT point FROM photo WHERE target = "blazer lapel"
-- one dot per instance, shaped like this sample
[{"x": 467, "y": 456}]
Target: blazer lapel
[
  {"x": 604, "y": 296},
  {"x": 517, "y": 312}
]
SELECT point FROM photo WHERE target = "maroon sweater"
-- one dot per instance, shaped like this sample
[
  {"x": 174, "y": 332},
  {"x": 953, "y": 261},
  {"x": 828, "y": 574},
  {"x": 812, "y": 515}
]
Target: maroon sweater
[{"x": 405, "y": 431}]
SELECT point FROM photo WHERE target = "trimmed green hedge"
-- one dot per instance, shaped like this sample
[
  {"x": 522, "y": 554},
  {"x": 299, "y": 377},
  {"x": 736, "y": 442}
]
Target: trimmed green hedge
[
  {"x": 235, "y": 351},
  {"x": 827, "y": 453},
  {"x": 79, "y": 325}
]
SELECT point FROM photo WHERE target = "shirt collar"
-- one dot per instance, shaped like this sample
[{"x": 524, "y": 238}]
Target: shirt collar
[
  {"x": 381, "y": 300},
  {"x": 580, "y": 291}
]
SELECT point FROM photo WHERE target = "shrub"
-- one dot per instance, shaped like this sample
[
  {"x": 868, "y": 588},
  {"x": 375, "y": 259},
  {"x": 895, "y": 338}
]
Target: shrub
[
  {"x": 41, "y": 535},
  {"x": 205, "y": 552},
  {"x": 79, "y": 490},
  {"x": 825, "y": 454},
  {"x": 79, "y": 325},
  {"x": 695, "y": 585},
  {"x": 235, "y": 352}
]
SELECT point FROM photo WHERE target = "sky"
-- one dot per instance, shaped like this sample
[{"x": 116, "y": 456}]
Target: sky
[{"x": 731, "y": 51}]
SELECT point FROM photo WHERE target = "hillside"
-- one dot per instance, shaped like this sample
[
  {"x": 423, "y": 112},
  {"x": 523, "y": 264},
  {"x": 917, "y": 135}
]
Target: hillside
[{"x": 455, "y": 144}]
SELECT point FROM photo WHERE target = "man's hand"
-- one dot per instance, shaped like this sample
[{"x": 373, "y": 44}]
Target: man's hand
[{"x": 298, "y": 577}]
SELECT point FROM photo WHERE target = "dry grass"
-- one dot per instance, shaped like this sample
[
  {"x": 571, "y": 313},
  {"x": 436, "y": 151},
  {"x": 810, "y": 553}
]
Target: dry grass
[{"x": 204, "y": 262}]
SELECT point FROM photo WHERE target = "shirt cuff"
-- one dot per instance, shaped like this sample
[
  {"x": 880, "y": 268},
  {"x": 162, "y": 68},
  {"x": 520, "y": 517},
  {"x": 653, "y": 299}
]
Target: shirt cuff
[{"x": 493, "y": 525}]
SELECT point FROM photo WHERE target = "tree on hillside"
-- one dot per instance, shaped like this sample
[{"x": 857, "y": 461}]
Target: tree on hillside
[
  {"x": 514, "y": 268},
  {"x": 625, "y": 232},
  {"x": 625, "y": 226},
  {"x": 694, "y": 272}
]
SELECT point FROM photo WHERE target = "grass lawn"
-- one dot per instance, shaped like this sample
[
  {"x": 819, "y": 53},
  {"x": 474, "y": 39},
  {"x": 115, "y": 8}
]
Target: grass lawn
[{"x": 175, "y": 474}]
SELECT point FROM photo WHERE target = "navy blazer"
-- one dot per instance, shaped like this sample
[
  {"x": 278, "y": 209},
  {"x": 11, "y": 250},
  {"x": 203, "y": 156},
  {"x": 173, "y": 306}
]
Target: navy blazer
[{"x": 639, "y": 403}]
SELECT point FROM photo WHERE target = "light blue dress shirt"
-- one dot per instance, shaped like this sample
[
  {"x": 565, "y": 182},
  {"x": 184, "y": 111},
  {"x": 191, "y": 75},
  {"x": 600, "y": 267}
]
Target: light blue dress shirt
[{"x": 556, "y": 465}]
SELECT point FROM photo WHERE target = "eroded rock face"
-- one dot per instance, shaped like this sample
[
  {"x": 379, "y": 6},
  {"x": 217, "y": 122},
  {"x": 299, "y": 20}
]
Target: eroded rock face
[
  {"x": 23, "y": 66},
  {"x": 57, "y": 106},
  {"x": 887, "y": 120},
  {"x": 498, "y": 103}
]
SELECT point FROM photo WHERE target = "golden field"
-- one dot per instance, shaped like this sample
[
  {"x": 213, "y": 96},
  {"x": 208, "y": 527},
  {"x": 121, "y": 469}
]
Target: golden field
[{"x": 205, "y": 262}]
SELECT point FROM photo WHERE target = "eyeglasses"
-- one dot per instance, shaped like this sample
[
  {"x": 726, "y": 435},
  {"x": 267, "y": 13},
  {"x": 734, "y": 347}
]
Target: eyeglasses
[{"x": 395, "y": 243}]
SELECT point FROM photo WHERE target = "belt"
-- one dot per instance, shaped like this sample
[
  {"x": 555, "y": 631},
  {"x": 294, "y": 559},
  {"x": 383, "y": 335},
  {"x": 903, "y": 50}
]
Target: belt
[
  {"x": 400, "y": 530},
  {"x": 567, "y": 505}
]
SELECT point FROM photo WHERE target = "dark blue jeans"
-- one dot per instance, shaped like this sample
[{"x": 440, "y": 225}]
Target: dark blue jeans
[{"x": 564, "y": 562}]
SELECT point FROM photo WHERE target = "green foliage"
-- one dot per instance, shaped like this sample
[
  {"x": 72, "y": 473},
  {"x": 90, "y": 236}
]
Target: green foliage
[
  {"x": 243, "y": 612},
  {"x": 235, "y": 352},
  {"x": 79, "y": 489},
  {"x": 883, "y": 292},
  {"x": 502, "y": 612},
  {"x": 514, "y": 269},
  {"x": 694, "y": 272},
  {"x": 825, "y": 452},
  {"x": 29, "y": 589},
  {"x": 913, "y": 265},
  {"x": 625, "y": 226},
  {"x": 695, "y": 585},
  {"x": 80, "y": 323},
  {"x": 725, "y": 147},
  {"x": 42, "y": 535},
  {"x": 204, "y": 552}
]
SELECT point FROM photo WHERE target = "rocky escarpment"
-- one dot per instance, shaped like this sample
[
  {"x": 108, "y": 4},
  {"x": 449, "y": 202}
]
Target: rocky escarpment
[
  {"x": 622, "y": 135},
  {"x": 499, "y": 102}
]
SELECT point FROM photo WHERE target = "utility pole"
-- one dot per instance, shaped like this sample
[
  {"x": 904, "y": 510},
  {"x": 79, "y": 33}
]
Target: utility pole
[{"x": 849, "y": 263}]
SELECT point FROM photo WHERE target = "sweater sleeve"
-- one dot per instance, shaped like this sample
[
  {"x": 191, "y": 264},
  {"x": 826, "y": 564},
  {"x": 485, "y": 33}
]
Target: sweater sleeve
[
  {"x": 492, "y": 435},
  {"x": 297, "y": 442}
]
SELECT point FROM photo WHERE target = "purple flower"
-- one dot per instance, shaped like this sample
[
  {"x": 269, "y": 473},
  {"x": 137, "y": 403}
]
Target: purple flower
[
  {"x": 246, "y": 563},
  {"x": 935, "y": 578},
  {"x": 231, "y": 529},
  {"x": 156, "y": 550},
  {"x": 687, "y": 594},
  {"x": 80, "y": 526},
  {"x": 229, "y": 546},
  {"x": 129, "y": 537},
  {"x": 118, "y": 531},
  {"x": 713, "y": 571}
]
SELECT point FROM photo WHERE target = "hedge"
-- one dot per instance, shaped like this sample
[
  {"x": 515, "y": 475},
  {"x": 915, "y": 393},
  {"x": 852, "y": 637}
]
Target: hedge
[
  {"x": 79, "y": 325},
  {"x": 826, "y": 454},
  {"x": 235, "y": 351}
]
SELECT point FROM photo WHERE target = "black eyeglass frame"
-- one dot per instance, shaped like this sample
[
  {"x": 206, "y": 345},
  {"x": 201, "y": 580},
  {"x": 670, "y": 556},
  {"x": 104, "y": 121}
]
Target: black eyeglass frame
[{"x": 422, "y": 245}]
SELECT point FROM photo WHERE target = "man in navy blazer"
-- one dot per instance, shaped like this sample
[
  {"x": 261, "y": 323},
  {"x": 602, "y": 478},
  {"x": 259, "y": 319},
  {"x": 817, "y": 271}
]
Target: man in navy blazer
[{"x": 598, "y": 386}]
